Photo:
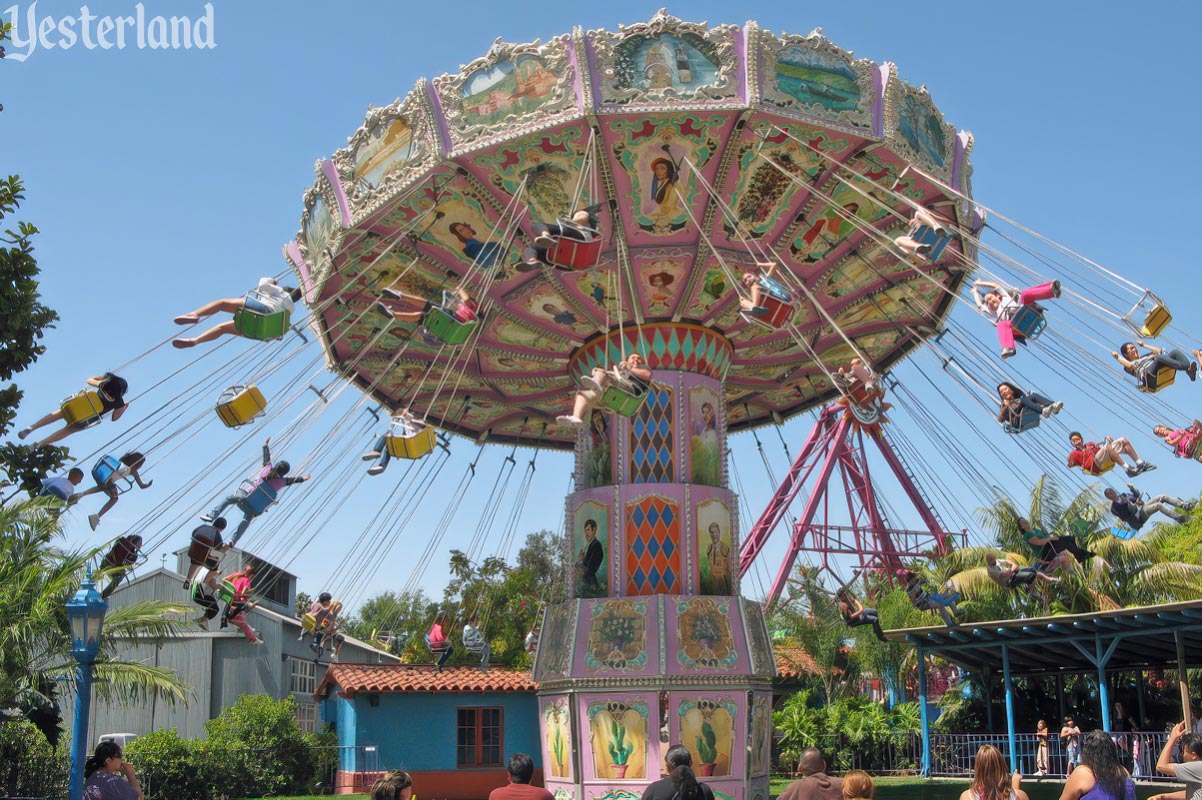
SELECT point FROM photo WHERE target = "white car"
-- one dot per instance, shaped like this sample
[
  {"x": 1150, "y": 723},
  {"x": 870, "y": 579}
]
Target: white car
[{"x": 122, "y": 739}]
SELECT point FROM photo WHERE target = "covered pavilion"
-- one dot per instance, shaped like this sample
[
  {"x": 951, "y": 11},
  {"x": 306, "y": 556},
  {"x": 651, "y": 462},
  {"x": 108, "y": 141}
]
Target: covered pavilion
[{"x": 1126, "y": 640}]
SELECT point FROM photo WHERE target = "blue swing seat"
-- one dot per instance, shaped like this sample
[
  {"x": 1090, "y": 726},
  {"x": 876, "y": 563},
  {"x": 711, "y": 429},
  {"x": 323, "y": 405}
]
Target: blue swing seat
[
  {"x": 1028, "y": 322},
  {"x": 1123, "y": 532},
  {"x": 104, "y": 470},
  {"x": 1027, "y": 420},
  {"x": 258, "y": 498},
  {"x": 926, "y": 235}
]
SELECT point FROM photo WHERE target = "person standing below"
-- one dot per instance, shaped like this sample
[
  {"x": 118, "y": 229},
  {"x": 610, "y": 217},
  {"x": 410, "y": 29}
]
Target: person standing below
[
  {"x": 1188, "y": 770},
  {"x": 992, "y": 779},
  {"x": 108, "y": 776},
  {"x": 815, "y": 784},
  {"x": 1041, "y": 753},
  {"x": 394, "y": 785},
  {"x": 681, "y": 783},
  {"x": 1070, "y": 737},
  {"x": 1134, "y": 512},
  {"x": 520, "y": 770},
  {"x": 1100, "y": 776}
]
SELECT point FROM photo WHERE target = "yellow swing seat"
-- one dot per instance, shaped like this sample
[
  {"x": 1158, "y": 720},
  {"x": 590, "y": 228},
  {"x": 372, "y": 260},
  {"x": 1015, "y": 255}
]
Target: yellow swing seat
[
  {"x": 308, "y": 623},
  {"x": 83, "y": 408},
  {"x": 1163, "y": 378},
  {"x": 414, "y": 446},
  {"x": 1149, "y": 316},
  {"x": 240, "y": 405}
]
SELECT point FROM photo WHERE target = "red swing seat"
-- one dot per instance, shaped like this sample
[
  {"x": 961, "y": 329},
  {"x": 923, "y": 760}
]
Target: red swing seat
[{"x": 575, "y": 254}]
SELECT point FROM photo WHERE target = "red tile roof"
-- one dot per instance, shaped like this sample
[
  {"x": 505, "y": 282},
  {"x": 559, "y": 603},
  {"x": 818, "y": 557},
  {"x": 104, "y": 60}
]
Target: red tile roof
[
  {"x": 793, "y": 663},
  {"x": 352, "y": 678}
]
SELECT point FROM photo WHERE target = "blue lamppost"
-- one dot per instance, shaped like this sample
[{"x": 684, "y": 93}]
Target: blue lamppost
[{"x": 85, "y": 611}]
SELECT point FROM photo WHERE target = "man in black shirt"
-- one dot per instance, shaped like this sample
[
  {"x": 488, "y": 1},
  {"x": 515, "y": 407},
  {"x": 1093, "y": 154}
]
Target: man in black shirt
[{"x": 1129, "y": 508}]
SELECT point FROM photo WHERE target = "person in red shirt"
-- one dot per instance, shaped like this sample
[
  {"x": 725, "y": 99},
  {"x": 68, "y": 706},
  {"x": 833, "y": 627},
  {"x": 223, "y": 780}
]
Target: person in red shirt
[
  {"x": 437, "y": 641},
  {"x": 235, "y": 610},
  {"x": 521, "y": 770},
  {"x": 1094, "y": 458}
]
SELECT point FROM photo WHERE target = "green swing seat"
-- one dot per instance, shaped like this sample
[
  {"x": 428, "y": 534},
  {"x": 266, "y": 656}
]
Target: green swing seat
[
  {"x": 259, "y": 326},
  {"x": 446, "y": 328},
  {"x": 622, "y": 399}
]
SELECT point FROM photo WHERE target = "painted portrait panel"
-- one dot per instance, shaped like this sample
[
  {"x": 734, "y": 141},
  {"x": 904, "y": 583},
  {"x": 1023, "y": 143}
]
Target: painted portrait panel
[
  {"x": 465, "y": 233},
  {"x": 557, "y": 729},
  {"x": 387, "y": 147},
  {"x": 547, "y": 304},
  {"x": 705, "y": 440},
  {"x": 511, "y": 333},
  {"x": 707, "y": 728},
  {"x": 715, "y": 553},
  {"x": 618, "y": 733},
  {"x": 761, "y": 735},
  {"x": 598, "y": 451},
  {"x": 590, "y": 537},
  {"x": 660, "y": 280}
]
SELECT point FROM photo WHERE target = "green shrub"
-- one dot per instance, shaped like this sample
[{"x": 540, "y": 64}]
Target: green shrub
[
  {"x": 256, "y": 749},
  {"x": 168, "y": 767},
  {"x": 29, "y": 765}
]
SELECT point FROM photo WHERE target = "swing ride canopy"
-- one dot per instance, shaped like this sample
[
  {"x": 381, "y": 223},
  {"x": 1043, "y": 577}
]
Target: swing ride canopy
[{"x": 709, "y": 148}]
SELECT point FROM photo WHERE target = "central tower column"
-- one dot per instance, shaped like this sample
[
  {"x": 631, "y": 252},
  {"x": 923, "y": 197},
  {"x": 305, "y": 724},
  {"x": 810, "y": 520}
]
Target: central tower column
[{"x": 658, "y": 648}]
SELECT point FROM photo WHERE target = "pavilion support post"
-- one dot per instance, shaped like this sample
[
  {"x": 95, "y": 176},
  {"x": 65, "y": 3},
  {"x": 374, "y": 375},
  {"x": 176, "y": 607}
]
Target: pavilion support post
[
  {"x": 1182, "y": 680},
  {"x": 1008, "y": 691},
  {"x": 1140, "y": 680},
  {"x": 923, "y": 716},
  {"x": 1060, "y": 696},
  {"x": 1103, "y": 684}
]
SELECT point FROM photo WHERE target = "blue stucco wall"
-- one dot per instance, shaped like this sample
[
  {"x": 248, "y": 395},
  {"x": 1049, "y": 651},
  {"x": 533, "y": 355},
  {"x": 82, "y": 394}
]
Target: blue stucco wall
[{"x": 417, "y": 731}]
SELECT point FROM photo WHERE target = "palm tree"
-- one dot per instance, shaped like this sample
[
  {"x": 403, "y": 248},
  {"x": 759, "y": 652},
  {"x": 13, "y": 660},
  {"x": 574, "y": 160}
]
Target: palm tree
[
  {"x": 1123, "y": 572},
  {"x": 36, "y": 580},
  {"x": 811, "y": 621}
]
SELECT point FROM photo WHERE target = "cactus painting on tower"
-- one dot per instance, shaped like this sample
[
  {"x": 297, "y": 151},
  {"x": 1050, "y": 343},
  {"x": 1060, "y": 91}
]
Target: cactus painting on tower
[
  {"x": 707, "y": 729},
  {"x": 619, "y": 738}
]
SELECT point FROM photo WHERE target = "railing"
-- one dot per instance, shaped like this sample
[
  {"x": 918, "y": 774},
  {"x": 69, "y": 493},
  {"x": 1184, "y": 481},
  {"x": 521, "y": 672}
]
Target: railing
[
  {"x": 953, "y": 754},
  {"x": 898, "y": 754}
]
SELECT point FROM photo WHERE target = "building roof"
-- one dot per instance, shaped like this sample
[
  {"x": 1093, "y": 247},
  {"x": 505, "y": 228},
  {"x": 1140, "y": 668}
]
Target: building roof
[
  {"x": 1125, "y": 639},
  {"x": 793, "y": 663},
  {"x": 351, "y": 678}
]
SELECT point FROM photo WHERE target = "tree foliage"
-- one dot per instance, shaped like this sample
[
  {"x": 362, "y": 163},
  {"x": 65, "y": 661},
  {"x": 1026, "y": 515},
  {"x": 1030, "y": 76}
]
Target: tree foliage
[
  {"x": 36, "y": 580},
  {"x": 29, "y": 765},
  {"x": 22, "y": 326}
]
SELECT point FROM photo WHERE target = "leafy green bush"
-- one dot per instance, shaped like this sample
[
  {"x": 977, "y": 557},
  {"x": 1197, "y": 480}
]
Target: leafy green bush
[
  {"x": 256, "y": 749},
  {"x": 167, "y": 767},
  {"x": 29, "y": 766},
  {"x": 852, "y": 730}
]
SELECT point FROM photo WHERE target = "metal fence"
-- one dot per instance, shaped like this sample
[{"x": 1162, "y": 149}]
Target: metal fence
[
  {"x": 953, "y": 754},
  {"x": 897, "y": 754}
]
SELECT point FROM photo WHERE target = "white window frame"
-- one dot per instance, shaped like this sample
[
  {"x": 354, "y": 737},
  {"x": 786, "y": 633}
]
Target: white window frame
[
  {"x": 302, "y": 676},
  {"x": 306, "y": 717}
]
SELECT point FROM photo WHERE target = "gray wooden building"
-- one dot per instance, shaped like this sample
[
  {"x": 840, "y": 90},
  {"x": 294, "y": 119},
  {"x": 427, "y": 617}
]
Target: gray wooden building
[{"x": 221, "y": 665}]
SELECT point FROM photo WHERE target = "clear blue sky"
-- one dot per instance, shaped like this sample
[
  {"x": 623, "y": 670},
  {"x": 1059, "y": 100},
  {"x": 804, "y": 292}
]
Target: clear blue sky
[{"x": 163, "y": 179}]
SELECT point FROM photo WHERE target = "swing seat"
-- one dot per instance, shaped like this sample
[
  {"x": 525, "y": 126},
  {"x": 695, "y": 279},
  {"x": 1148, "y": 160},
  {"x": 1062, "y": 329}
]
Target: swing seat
[
  {"x": 258, "y": 498},
  {"x": 83, "y": 409},
  {"x": 226, "y": 592},
  {"x": 1028, "y": 322},
  {"x": 1102, "y": 470},
  {"x": 240, "y": 405},
  {"x": 198, "y": 552},
  {"x": 105, "y": 468},
  {"x": 574, "y": 254},
  {"x": 414, "y": 446},
  {"x": 778, "y": 302},
  {"x": 926, "y": 235},
  {"x": 438, "y": 647},
  {"x": 1152, "y": 314},
  {"x": 309, "y": 623},
  {"x": 1122, "y": 532},
  {"x": 1163, "y": 378},
  {"x": 258, "y": 326},
  {"x": 446, "y": 328},
  {"x": 622, "y": 401},
  {"x": 1027, "y": 420}
]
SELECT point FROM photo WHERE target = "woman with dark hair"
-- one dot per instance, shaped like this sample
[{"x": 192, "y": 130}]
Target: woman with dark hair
[
  {"x": 1015, "y": 401},
  {"x": 108, "y": 776},
  {"x": 394, "y": 785},
  {"x": 110, "y": 389},
  {"x": 1100, "y": 775},
  {"x": 681, "y": 783},
  {"x": 1144, "y": 367},
  {"x": 855, "y": 614},
  {"x": 991, "y": 778}
]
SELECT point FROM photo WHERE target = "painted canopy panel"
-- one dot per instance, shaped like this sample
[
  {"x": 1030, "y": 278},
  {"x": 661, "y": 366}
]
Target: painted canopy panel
[{"x": 705, "y": 149}]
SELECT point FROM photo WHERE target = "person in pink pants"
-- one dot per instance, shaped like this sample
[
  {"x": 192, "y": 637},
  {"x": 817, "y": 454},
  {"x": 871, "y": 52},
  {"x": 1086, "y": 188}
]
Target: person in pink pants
[
  {"x": 1002, "y": 304},
  {"x": 234, "y": 612}
]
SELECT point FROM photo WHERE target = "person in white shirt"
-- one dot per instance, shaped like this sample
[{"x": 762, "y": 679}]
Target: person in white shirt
[
  {"x": 63, "y": 488},
  {"x": 474, "y": 642},
  {"x": 271, "y": 299}
]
